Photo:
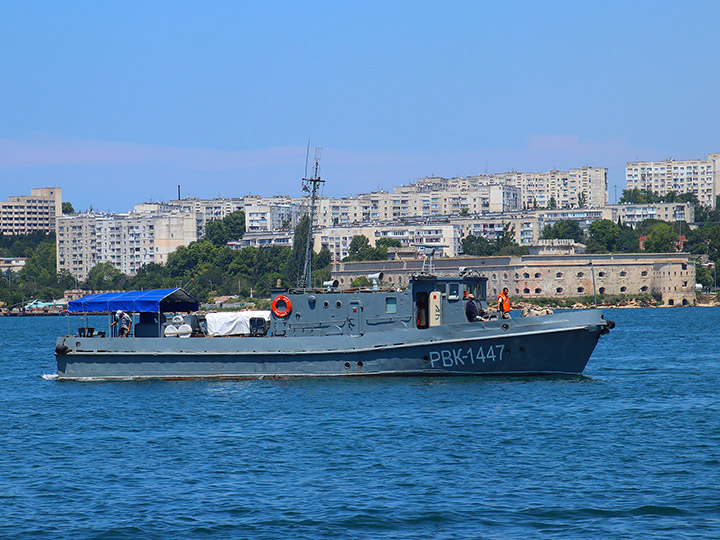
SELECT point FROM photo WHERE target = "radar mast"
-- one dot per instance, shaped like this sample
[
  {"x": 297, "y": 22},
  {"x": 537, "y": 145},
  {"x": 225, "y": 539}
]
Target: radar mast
[{"x": 310, "y": 186}]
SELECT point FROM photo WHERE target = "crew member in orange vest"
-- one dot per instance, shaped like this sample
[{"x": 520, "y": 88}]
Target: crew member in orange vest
[{"x": 503, "y": 303}]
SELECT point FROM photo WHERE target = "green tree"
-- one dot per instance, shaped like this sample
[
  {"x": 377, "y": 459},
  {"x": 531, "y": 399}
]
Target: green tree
[
  {"x": 388, "y": 242},
  {"x": 228, "y": 229},
  {"x": 661, "y": 239},
  {"x": 567, "y": 229},
  {"x": 67, "y": 208},
  {"x": 477, "y": 246},
  {"x": 104, "y": 276},
  {"x": 603, "y": 236},
  {"x": 464, "y": 212}
]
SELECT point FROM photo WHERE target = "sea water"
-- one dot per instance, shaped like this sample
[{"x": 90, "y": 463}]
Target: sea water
[{"x": 631, "y": 450}]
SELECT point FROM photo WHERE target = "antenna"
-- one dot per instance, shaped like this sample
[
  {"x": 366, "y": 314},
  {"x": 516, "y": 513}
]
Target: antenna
[
  {"x": 307, "y": 157},
  {"x": 310, "y": 185}
]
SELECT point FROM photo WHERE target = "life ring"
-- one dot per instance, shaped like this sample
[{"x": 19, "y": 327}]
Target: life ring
[{"x": 281, "y": 312}]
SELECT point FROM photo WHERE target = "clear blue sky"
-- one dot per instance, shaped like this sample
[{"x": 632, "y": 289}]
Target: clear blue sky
[{"x": 119, "y": 102}]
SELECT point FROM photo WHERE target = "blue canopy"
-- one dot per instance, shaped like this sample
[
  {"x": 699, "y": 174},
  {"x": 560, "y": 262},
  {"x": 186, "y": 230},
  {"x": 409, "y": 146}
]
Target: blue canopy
[{"x": 155, "y": 301}]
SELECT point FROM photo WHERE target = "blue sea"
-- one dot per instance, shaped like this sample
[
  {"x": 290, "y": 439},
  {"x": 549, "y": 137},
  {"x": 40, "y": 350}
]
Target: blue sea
[{"x": 631, "y": 450}]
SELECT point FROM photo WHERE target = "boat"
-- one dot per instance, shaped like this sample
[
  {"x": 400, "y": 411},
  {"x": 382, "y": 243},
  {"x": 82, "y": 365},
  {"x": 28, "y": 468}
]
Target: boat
[{"x": 371, "y": 331}]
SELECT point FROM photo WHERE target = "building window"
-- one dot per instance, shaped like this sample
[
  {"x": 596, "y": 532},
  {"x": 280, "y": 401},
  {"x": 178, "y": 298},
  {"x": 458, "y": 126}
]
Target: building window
[
  {"x": 581, "y": 289},
  {"x": 559, "y": 290},
  {"x": 623, "y": 273},
  {"x": 644, "y": 288},
  {"x": 602, "y": 274},
  {"x": 559, "y": 274},
  {"x": 643, "y": 273},
  {"x": 623, "y": 289},
  {"x": 526, "y": 275},
  {"x": 537, "y": 275},
  {"x": 538, "y": 290},
  {"x": 526, "y": 291},
  {"x": 580, "y": 274}
]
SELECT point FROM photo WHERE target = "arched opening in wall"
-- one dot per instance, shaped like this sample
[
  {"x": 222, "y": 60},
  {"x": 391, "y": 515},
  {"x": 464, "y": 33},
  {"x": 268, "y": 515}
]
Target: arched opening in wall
[
  {"x": 580, "y": 274},
  {"x": 644, "y": 288},
  {"x": 537, "y": 274},
  {"x": 494, "y": 276},
  {"x": 526, "y": 291},
  {"x": 671, "y": 302},
  {"x": 559, "y": 274},
  {"x": 342, "y": 281},
  {"x": 517, "y": 276},
  {"x": 581, "y": 289},
  {"x": 643, "y": 273},
  {"x": 559, "y": 290},
  {"x": 623, "y": 273},
  {"x": 517, "y": 291},
  {"x": 601, "y": 290},
  {"x": 505, "y": 276},
  {"x": 684, "y": 267},
  {"x": 526, "y": 275},
  {"x": 685, "y": 302},
  {"x": 602, "y": 274},
  {"x": 538, "y": 290},
  {"x": 623, "y": 289}
]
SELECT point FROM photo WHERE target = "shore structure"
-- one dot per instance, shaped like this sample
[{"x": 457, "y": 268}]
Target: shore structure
[{"x": 672, "y": 275}]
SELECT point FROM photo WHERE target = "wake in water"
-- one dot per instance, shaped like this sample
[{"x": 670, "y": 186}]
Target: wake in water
[{"x": 49, "y": 376}]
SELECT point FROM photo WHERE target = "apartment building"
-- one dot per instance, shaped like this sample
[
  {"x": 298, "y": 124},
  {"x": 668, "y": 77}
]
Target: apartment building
[
  {"x": 632, "y": 214},
  {"x": 698, "y": 176},
  {"x": 580, "y": 187},
  {"x": 25, "y": 214},
  {"x": 127, "y": 241}
]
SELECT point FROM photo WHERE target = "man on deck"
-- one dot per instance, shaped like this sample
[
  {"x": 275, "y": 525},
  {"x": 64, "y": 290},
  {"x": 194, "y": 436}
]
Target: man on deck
[
  {"x": 471, "y": 310},
  {"x": 125, "y": 323},
  {"x": 503, "y": 303}
]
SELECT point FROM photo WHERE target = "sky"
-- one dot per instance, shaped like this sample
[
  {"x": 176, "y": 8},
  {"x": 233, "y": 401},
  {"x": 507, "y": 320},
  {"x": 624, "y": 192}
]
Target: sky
[{"x": 121, "y": 102}]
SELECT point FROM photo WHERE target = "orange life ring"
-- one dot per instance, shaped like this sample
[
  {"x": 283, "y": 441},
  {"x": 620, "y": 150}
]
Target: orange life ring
[{"x": 281, "y": 312}]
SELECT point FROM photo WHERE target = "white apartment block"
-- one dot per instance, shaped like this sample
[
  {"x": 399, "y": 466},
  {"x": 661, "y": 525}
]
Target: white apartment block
[
  {"x": 409, "y": 201},
  {"x": 127, "y": 241},
  {"x": 568, "y": 189},
  {"x": 272, "y": 217},
  {"x": 446, "y": 237},
  {"x": 632, "y": 214},
  {"x": 25, "y": 214},
  {"x": 698, "y": 176}
]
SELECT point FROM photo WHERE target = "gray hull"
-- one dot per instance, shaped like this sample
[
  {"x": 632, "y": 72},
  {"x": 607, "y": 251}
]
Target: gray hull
[{"x": 559, "y": 344}]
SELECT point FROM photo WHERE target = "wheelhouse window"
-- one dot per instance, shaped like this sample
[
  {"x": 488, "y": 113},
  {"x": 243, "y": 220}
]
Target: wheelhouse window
[
  {"x": 390, "y": 304},
  {"x": 454, "y": 293}
]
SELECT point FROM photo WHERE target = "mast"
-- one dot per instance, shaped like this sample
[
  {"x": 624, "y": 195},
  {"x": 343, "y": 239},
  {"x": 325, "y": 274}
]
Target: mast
[{"x": 311, "y": 186}]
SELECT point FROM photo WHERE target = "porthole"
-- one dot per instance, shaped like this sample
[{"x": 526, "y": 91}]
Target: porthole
[
  {"x": 325, "y": 304},
  {"x": 338, "y": 303}
]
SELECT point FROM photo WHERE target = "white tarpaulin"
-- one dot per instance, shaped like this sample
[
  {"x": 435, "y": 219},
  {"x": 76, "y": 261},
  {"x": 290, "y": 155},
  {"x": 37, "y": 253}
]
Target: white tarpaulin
[{"x": 236, "y": 323}]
